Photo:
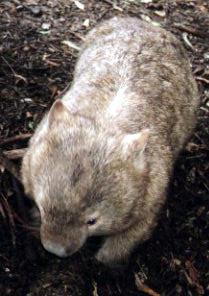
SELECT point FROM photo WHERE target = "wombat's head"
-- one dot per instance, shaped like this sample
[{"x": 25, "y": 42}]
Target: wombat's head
[{"x": 83, "y": 181}]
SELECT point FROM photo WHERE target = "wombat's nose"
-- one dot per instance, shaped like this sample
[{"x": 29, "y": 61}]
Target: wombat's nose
[{"x": 55, "y": 248}]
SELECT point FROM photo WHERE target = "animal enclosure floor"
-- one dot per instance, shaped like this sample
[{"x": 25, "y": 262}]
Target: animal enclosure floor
[{"x": 38, "y": 50}]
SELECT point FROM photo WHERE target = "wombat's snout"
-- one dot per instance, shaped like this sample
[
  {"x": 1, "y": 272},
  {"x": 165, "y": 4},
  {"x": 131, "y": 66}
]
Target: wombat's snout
[
  {"x": 58, "y": 249},
  {"x": 55, "y": 244},
  {"x": 61, "y": 245}
]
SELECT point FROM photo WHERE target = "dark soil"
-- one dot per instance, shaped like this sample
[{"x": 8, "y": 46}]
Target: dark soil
[{"x": 35, "y": 67}]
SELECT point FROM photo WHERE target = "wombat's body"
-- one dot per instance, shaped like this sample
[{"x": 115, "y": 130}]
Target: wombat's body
[{"x": 100, "y": 161}]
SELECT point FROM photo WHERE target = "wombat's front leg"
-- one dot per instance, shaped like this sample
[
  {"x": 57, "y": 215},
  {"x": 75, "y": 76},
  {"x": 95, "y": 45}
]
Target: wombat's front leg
[{"x": 117, "y": 248}]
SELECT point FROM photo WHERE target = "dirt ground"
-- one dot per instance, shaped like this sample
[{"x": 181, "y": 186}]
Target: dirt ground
[{"x": 36, "y": 64}]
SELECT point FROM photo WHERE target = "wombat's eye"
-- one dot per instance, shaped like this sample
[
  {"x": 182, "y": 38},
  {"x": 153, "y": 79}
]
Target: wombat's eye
[{"x": 91, "y": 221}]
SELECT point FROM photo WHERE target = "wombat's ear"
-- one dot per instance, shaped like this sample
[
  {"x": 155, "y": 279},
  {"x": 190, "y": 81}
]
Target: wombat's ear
[
  {"x": 133, "y": 146},
  {"x": 58, "y": 112}
]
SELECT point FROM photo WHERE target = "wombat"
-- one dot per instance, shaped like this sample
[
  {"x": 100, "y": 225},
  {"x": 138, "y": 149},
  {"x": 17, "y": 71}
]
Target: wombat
[{"x": 100, "y": 161}]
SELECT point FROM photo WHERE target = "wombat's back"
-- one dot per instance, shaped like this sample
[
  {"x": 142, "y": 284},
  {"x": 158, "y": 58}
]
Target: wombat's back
[{"x": 134, "y": 75}]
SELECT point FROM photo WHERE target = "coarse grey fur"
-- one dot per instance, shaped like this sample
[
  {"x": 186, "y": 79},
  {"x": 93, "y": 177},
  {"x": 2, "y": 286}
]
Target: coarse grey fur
[{"x": 107, "y": 150}]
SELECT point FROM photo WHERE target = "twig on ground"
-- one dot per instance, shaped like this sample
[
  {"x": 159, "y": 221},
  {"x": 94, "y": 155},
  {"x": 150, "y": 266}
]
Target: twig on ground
[
  {"x": 10, "y": 217},
  {"x": 204, "y": 109},
  {"x": 61, "y": 93},
  {"x": 2, "y": 212},
  {"x": 116, "y": 7},
  {"x": 71, "y": 44},
  {"x": 9, "y": 166},
  {"x": 187, "y": 42},
  {"x": 190, "y": 30},
  {"x": 15, "y": 153},
  {"x": 17, "y": 76},
  {"x": 16, "y": 138},
  {"x": 4, "y": 257},
  {"x": 202, "y": 79},
  {"x": 77, "y": 35},
  {"x": 95, "y": 289},
  {"x": 144, "y": 288}
]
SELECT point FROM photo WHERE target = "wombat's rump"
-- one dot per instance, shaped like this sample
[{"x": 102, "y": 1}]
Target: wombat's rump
[{"x": 100, "y": 161}]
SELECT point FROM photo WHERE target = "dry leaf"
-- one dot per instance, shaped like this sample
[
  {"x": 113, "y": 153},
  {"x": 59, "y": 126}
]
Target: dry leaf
[
  {"x": 95, "y": 289},
  {"x": 146, "y": 1},
  {"x": 19, "y": 78},
  {"x": 86, "y": 23},
  {"x": 160, "y": 13},
  {"x": 46, "y": 26},
  {"x": 71, "y": 44},
  {"x": 2, "y": 168},
  {"x": 149, "y": 20},
  {"x": 79, "y": 4},
  {"x": 144, "y": 288},
  {"x": 186, "y": 41}
]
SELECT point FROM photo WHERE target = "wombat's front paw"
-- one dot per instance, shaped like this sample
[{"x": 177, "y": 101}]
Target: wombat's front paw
[
  {"x": 103, "y": 256},
  {"x": 111, "y": 255}
]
